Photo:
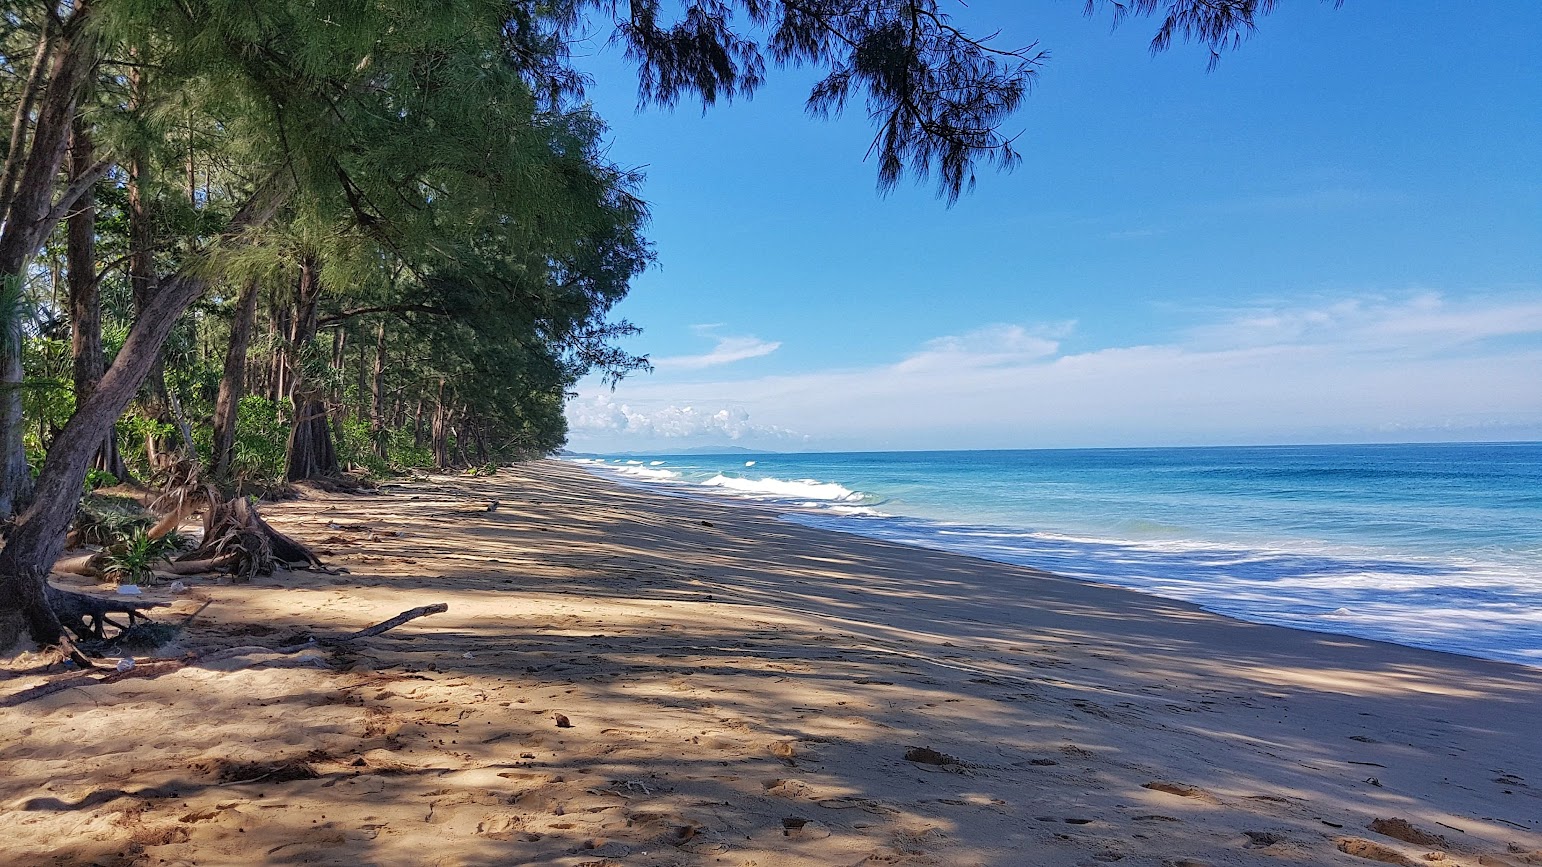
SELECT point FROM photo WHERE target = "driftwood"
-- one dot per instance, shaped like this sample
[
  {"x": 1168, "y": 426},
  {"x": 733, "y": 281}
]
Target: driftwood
[
  {"x": 157, "y": 667},
  {"x": 88, "y": 565},
  {"x": 398, "y": 620},
  {"x": 201, "y": 567}
]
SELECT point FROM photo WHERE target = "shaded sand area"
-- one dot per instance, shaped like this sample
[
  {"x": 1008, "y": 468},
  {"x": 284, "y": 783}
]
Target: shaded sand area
[{"x": 624, "y": 678}]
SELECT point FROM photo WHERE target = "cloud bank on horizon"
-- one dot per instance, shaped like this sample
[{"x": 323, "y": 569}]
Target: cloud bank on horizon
[{"x": 1423, "y": 367}]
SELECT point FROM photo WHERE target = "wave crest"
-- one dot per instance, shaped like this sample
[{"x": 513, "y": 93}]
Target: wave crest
[{"x": 800, "y": 489}]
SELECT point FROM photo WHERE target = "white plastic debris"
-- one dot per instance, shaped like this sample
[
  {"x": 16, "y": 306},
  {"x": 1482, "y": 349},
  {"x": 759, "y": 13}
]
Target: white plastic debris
[
  {"x": 468, "y": 655},
  {"x": 129, "y": 590},
  {"x": 126, "y": 663}
]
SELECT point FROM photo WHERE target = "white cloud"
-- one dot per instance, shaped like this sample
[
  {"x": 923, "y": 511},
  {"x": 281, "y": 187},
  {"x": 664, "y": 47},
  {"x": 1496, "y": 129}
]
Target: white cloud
[
  {"x": 1412, "y": 325},
  {"x": 727, "y": 351},
  {"x": 1366, "y": 369},
  {"x": 601, "y": 415},
  {"x": 991, "y": 346}
]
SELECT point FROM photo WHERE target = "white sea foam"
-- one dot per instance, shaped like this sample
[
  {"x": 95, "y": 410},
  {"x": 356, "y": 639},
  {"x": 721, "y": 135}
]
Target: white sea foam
[
  {"x": 648, "y": 473},
  {"x": 655, "y": 463},
  {"x": 1467, "y": 598},
  {"x": 1418, "y": 601},
  {"x": 795, "y": 489}
]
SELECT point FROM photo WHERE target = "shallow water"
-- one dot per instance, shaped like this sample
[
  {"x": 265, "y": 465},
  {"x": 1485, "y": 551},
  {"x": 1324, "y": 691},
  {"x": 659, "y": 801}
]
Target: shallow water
[{"x": 1433, "y": 546}]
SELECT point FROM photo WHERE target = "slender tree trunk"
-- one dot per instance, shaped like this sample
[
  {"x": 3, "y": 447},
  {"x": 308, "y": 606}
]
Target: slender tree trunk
[
  {"x": 28, "y": 213},
  {"x": 85, "y": 299},
  {"x": 377, "y": 421},
  {"x": 311, "y": 451},
  {"x": 339, "y": 359},
  {"x": 280, "y": 333},
  {"x": 233, "y": 381},
  {"x": 143, "y": 281},
  {"x": 440, "y": 435},
  {"x": 362, "y": 402},
  {"x": 38, "y": 537}
]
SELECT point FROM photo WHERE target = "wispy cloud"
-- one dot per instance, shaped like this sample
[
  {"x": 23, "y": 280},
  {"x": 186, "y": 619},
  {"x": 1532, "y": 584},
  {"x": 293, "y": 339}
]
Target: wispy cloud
[
  {"x": 727, "y": 351},
  {"x": 1417, "y": 324}
]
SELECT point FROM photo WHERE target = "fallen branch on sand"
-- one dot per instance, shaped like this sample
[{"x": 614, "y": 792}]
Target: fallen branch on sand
[{"x": 157, "y": 667}]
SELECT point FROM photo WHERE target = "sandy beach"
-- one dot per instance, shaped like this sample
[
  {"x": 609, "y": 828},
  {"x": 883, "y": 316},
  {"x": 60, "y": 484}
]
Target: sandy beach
[{"x": 624, "y": 678}]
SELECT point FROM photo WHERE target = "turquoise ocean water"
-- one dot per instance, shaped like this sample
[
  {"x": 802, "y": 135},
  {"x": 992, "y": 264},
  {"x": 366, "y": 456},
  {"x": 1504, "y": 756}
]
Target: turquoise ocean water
[{"x": 1434, "y": 546}]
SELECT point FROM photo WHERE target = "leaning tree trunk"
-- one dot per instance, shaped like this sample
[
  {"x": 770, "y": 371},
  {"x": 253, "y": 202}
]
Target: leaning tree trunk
[
  {"x": 15, "y": 477},
  {"x": 233, "y": 383},
  {"x": 311, "y": 453},
  {"x": 29, "y": 212},
  {"x": 38, "y": 537},
  {"x": 85, "y": 297}
]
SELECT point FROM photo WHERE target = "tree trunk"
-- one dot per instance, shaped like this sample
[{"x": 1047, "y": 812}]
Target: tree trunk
[
  {"x": 38, "y": 537},
  {"x": 279, "y": 331},
  {"x": 143, "y": 281},
  {"x": 85, "y": 298},
  {"x": 339, "y": 359},
  {"x": 233, "y": 381},
  {"x": 28, "y": 214},
  {"x": 377, "y": 422},
  {"x": 311, "y": 452},
  {"x": 440, "y": 435}
]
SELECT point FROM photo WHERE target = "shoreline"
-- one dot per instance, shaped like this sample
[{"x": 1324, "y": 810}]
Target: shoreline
[
  {"x": 742, "y": 690},
  {"x": 1150, "y": 566}
]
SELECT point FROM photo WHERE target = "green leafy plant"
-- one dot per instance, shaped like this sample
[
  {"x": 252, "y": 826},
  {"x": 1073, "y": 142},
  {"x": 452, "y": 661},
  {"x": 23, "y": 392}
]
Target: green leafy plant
[
  {"x": 133, "y": 561},
  {"x": 99, "y": 479}
]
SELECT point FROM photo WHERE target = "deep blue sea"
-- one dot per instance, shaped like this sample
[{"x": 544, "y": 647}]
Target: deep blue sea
[{"x": 1434, "y": 546}]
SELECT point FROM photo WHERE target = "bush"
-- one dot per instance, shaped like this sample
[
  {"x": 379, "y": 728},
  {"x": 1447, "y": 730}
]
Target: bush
[
  {"x": 134, "y": 559},
  {"x": 262, "y": 438}
]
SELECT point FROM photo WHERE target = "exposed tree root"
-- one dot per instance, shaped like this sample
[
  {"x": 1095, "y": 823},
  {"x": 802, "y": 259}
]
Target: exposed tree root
[
  {"x": 236, "y": 537},
  {"x": 157, "y": 667},
  {"x": 86, "y": 615}
]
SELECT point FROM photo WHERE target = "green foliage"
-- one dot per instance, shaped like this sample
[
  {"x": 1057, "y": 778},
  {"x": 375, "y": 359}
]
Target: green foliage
[
  {"x": 356, "y": 448},
  {"x": 134, "y": 559},
  {"x": 262, "y": 434},
  {"x": 96, "y": 478},
  {"x": 106, "y": 521},
  {"x": 134, "y": 430}
]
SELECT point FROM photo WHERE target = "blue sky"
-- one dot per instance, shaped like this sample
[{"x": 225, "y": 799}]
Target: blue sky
[{"x": 1336, "y": 236}]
